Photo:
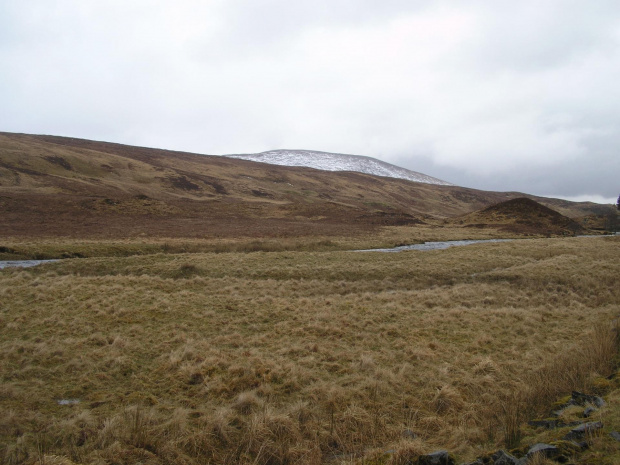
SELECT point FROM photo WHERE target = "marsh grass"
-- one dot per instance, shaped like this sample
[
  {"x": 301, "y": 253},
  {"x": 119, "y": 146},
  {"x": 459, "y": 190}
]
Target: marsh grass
[
  {"x": 13, "y": 248},
  {"x": 299, "y": 357}
]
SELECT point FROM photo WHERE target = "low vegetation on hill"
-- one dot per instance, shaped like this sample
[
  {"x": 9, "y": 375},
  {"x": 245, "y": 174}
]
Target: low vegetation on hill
[
  {"x": 522, "y": 216},
  {"x": 63, "y": 187}
]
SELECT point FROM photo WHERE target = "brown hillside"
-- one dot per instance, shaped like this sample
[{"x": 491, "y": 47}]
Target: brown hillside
[
  {"x": 57, "y": 186},
  {"x": 524, "y": 216}
]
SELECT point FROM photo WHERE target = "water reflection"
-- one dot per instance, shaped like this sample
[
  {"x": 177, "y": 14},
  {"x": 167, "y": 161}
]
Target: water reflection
[
  {"x": 434, "y": 245},
  {"x": 23, "y": 263}
]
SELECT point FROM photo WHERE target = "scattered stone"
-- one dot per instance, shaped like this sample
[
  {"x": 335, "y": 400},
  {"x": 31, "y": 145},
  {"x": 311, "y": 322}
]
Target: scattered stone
[
  {"x": 551, "y": 423},
  {"x": 579, "y": 398},
  {"x": 588, "y": 412},
  {"x": 436, "y": 458},
  {"x": 68, "y": 401},
  {"x": 569, "y": 448},
  {"x": 583, "y": 445},
  {"x": 559, "y": 451},
  {"x": 585, "y": 428},
  {"x": 504, "y": 458},
  {"x": 615, "y": 435},
  {"x": 548, "y": 423},
  {"x": 546, "y": 450}
]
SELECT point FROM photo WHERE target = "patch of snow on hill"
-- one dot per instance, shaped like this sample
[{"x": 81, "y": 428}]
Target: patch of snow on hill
[{"x": 338, "y": 162}]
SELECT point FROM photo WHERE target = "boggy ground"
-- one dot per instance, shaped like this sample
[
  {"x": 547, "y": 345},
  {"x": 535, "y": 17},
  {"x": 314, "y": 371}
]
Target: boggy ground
[
  {"x": 26, "y": 247},
  {"x": 299, "y": 356}
]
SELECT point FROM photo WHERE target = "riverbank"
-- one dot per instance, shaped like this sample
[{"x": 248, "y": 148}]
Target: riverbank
[{"x": 24, "y": 248}]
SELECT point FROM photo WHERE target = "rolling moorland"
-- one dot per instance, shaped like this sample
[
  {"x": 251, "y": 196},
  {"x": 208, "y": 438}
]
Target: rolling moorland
[
  {"x": 213, "y": 311},
  {"x": 62, "y": 187}
]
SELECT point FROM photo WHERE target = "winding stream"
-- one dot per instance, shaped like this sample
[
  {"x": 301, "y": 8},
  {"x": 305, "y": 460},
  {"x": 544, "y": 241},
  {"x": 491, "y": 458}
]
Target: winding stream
[
  {"x": 23, "y": 263},
  {"x": 435, "y": 245},
  {"x": 424, "y": 247},
  {"x": 447, "y": 244}
]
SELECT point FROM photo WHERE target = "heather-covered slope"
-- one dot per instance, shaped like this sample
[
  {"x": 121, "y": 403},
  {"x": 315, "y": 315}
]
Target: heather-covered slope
[
  {"x": 58, "y": 186},
  {"x": 521, "y": 215}
]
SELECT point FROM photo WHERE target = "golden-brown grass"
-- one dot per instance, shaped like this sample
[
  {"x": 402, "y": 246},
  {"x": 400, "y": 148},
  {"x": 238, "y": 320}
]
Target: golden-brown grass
[
  {"x": 299, "y": 357},
  {"x": 49, "y": 248}
]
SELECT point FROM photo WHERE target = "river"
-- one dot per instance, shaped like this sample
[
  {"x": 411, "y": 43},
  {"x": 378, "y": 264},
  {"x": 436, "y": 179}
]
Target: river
[
  {"x": 435, "y": 245},
  {"x": 446, "y": 244},
  {"x": 23, "y": 263}
]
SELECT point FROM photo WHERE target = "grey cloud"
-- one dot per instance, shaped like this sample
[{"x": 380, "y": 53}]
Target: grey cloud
[
  {"x": 587, "y": 176},
  {"x": 527, "y": 36}
]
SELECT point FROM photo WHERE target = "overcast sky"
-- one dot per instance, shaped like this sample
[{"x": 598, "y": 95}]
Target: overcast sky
[{"x": 497, "y": 95}]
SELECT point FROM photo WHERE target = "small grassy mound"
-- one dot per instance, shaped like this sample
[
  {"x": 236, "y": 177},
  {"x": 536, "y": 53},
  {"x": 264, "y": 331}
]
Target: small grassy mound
[{"x": 523, "y": 216}]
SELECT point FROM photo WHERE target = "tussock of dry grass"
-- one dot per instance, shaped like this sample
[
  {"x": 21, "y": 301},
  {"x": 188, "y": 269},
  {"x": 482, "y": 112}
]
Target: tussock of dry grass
[
  {"x": 41, "y": 248},
  {"x": 298, "y": 357}
]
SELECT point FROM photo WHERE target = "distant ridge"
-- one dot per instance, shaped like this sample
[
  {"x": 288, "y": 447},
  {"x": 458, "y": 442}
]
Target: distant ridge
[
  {"x": 54, "y": 186},
  {"x": 338, "y": 162}
]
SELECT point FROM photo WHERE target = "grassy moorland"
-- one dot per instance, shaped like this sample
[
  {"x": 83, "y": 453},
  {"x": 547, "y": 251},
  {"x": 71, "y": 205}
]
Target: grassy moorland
[
  {"x": 28, "y": 248},
  {"x": 297, "y": 356},
  {"x": 65, "y": 187}
]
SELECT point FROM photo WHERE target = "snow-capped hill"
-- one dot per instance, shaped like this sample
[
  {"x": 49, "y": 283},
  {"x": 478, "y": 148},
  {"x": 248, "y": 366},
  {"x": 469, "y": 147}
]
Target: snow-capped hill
[{"x": 338, "y": 162}]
